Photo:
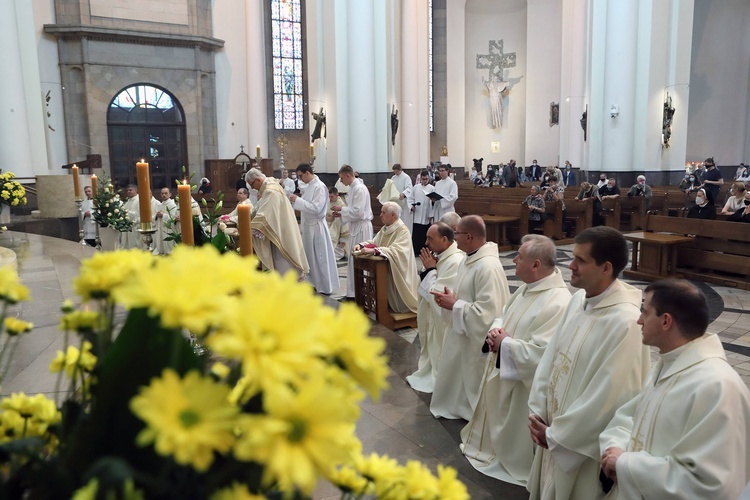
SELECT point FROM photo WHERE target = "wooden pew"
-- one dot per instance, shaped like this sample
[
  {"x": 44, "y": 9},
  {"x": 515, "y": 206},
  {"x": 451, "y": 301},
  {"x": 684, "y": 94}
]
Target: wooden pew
[
  {"x": 371, "y": 292},
  {"x": 553, "y": 226},
  {"x": 611, "y": 212},
  {"x": 633, "y": 212},
  {"x": 580, "y": 213}
]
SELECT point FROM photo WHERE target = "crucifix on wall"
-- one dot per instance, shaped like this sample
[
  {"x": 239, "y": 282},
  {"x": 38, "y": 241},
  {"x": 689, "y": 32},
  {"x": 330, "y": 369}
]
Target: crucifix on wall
[{"x": 497, "y": 61}]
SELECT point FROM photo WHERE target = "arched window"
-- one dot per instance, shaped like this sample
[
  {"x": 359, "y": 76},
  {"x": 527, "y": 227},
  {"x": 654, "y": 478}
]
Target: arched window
[
  {"x": 146, "y": 122},
  {"x": 286, "y": 41}
]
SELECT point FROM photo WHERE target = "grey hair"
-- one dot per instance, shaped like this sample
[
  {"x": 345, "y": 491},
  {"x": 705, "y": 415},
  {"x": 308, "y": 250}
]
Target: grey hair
[
  {"x": 451, "y": 218},
  {"x": 641, "y": 177},
  {"x": 392, "y": 207},
  {"x": 541, "y": 248},
  {"x": 253, "y": 174}
]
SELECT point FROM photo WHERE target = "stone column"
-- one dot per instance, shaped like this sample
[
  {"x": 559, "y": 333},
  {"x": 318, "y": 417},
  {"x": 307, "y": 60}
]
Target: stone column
[{"x": 456, "y": 81}]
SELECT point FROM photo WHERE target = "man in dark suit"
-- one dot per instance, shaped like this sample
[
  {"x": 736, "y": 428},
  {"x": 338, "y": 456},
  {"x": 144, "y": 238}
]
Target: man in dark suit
[{"x": 535, "y": 171}]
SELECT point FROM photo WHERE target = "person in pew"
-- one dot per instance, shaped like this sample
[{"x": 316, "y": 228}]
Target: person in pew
[
  {"x": 610, "y": 190},
  {"x": 495, "y": 441},
  {"x": 703, "y": 208},
  {"x": 740, "y": 172},
  {"x": 690, "y": 183},
  {"x": 441, "y": 259},
  {"x": 469, "y": 310},
  {"x": 537, "y": 208},
  {"x": 421, "y": 209},
  {"x": 589, "y": 190},
  {"x": 602, "y": 181},
  {"x": 535, "y": 172},
  {"x": 743, "y": 214},
  {"x": 686, "y": 433},
  {"x": 640, "y": 188},
  {"x": 393, "y": 242},
  {"x": 569, "y": 175},
  {"x": 736, "y": 199},
  {"x": 594, "y": 363},
  {"x": 712, "y": 181}
]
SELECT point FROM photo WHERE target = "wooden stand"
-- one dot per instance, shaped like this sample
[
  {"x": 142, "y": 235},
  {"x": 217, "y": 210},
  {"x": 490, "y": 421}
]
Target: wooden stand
[
  {"x": 657, "y": 258},
  {"x": 371, "y": 292}
]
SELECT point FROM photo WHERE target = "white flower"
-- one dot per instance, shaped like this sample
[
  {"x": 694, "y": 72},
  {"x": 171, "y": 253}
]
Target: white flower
[
  {"x": 222, "y": 226},
  {"x": 109, "y": 214},
  {"x": 117, "y": 210}
]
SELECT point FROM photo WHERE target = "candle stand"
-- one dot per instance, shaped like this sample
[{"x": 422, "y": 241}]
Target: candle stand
[
  {"x": 79, "y": 203},
  {"x": 147, "y": 231},
  {"x": 312, "y": 160}
]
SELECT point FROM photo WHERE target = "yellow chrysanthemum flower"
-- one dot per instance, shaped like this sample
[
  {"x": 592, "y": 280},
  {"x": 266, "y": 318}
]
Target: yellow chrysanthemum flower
[
  {"x": 301, "y": 437},
  {"x": 26, "y": 416},
  {"x": 70, "y": 359},
  {"x": 81, "y": 321},
  {"x": 11, "y": 291},
  {"x": 350, "y": 481},
  {"x": 187, "y": 418},
  {"x": 15, "y": 326},
  {"x": 360, "y": 355},
  {"x": 418, "y": 482},
  {"x": 449, "y": 485},
  {"x": 193, "y": 302},
  {"x": 104, "y": 272},
  {"x": 91, "y": 490},
  {"x": 236, "y": 492},
  {"x": 378, "y": 468}
]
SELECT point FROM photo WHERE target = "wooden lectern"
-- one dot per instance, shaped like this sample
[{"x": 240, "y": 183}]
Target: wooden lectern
[{"x": 371, "y": 292}]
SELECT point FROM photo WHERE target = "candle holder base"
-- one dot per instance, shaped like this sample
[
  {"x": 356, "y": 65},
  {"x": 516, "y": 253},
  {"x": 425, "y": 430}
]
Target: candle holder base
[
  {"x": 79, "y": 203},
  {"x": 312, "y": 160},
  {"x": 148, "y": 238}
]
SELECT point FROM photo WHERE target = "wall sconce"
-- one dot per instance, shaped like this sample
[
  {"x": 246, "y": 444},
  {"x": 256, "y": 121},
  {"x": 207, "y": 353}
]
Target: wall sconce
[{"x": 614, "y": 110}]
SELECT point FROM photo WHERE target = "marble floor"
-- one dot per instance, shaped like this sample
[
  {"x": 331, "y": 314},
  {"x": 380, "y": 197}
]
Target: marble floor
[{"x": 399, "y": 425}]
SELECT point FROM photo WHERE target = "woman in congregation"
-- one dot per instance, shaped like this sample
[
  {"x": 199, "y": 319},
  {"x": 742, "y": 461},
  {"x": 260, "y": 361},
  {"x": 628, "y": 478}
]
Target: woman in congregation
[
  {"x": 736, "y": 199},
  {"x": 703, "y": 208}
]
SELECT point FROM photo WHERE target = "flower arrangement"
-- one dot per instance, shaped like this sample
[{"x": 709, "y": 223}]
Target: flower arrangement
[
  {"x": 109, "y": 209},
  {"x": 268, "y": 414},
  {"x": 12, "y": 193}
]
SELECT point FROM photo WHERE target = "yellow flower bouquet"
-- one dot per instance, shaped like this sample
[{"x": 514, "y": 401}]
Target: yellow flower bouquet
[
  {"x": 270, "y": 412},
  {"x": 12, "y": 192}
]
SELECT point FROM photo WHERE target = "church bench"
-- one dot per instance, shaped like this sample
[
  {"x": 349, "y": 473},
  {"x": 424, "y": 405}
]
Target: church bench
[
  {"x": 611, "y": 212},
  {"x": 553, "y": 225},
  {"x": 633, "y": 212},
  {"x": 580, "y": 213}
]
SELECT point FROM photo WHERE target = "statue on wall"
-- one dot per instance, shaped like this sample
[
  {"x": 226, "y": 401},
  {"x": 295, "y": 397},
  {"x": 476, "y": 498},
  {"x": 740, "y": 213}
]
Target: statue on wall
[
  {"x": 554, "y": 113},
  {"x": 666, "y": 127},
  {"x": 584, "y": 121},
  {"x": 495, "y": 87},
  {"x": 320, "y": 123},
  {"x": 394, "y": 124}
]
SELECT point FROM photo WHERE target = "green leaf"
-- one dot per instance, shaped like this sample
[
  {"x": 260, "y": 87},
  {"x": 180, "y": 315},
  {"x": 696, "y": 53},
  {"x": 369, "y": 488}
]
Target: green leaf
[{"x": 220, "y": 241}]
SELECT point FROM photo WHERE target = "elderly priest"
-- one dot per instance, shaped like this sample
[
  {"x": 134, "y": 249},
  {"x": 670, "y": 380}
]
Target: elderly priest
[
  {"x": 393, "y": 242},
  {"x": 276, "y": 237},
  {"x": 495, "y": 440},
  {"x": 686, "y": 434}
]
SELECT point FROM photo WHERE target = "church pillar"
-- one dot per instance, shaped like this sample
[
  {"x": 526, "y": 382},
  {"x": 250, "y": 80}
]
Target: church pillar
[
  {"x": 613, "y": 81},
  {"x": 456, "y": 81},
  {"x": 23, "y": 148},
  {"x": 573, "y": 91},
  {"x": 257, "y": 109},
  {"x": 413, "y": 106}
]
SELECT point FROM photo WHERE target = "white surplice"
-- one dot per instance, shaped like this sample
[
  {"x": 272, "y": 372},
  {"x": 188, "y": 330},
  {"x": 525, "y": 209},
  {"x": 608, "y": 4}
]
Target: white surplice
[
  {"x": 316, "y": 239},
  {"x": 448, "y": 189},
  {"x": 89, "y": 224},
  {"x": 686, "y": 434},
  {"x": 169, "y": 212},
  {"x": 404, "y": 186},
  {"x": 394, "y": 243},
  {"x": 496, "y": 440},
  {"x": 594, "y": 363},
  {"x": 482, "y": 291},
  {"x": 132, "y": 238},
  {"x": 423, "y": 210},
  {"x": 339, "y": 231},
  {"x": 430, "y": 326},
  {"x": 358, "y": 214}
]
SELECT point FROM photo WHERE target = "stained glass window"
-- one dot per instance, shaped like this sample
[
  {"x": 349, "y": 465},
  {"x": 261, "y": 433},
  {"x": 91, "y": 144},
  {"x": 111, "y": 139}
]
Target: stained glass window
[{"x": 286, "y": 40}]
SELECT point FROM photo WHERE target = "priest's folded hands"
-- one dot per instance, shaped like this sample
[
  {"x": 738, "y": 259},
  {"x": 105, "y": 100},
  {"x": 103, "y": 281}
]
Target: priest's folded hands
[
  {"x": 609, "y": 462},
  {"x": 495, "y": 338}
]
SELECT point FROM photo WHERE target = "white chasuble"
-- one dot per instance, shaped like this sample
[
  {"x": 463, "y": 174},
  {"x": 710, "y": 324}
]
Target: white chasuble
[
  {"x": 316, "y": 239},
  {"x": 686, "y": 434},
  {"x": 394, "y": 243},
  {"x": 482, "y": 292},
  {"x": 594, "y": 363},
  {"x": 169, "y": 212},
  {"x": 496, "y": 441},
  {"x": 280, "y": 247},
  {"x": 430, "y": 326}
]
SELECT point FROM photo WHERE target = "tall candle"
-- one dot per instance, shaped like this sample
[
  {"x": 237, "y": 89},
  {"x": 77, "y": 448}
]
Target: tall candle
[
  {"x": 243, "y": 227},
  {"x": 257, "y": 151},
  {"x": 76, "y": 182},
  {"x": 186, "y": 213},
  {"x": 312, "y": 149},
  {"x": 94, "y": 186},
  {"x": 144, "y": 194}
]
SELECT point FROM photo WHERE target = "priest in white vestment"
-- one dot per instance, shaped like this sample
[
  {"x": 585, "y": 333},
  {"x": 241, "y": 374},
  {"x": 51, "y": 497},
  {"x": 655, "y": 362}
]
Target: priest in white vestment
[
  {"x": 316, "y": 239},
  {"x": 287, "y": 183},
  {"x": 479, "y": 297},
  {"x": 89, "y": 224},
  {"x": 243, "y": 198},
  {"x": 441, "y": 259},
  {"x": 132, "y": 238},
  {"x": 276, "y": 237},
  {"x": 339, "y": 231},
  {"x": 166, "y": 211},
  {"x": 686, "y": 434},
  {"x": 496, "y": 440},
  {"x": 594, "y": 363},
  {"x": 421, "y": 209},
  {"x": 358, "y": 214},
  {"x": 448, "y": 189},
  {"x": 393, "y": 242},
  {"x": 403, "y": 185}
]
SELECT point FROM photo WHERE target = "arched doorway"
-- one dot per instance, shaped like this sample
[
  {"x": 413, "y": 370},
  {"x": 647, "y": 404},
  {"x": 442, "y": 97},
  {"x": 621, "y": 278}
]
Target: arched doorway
[{"x": 145, "y": 121}]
